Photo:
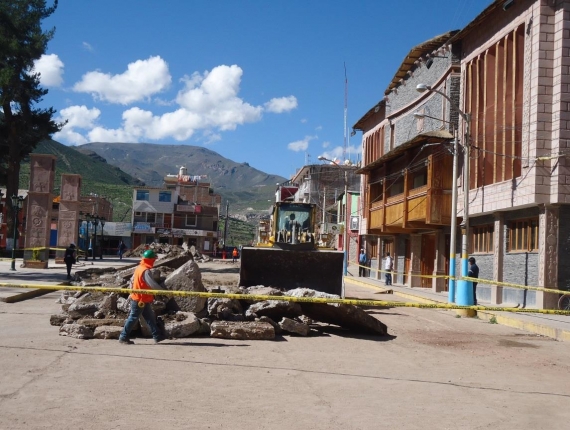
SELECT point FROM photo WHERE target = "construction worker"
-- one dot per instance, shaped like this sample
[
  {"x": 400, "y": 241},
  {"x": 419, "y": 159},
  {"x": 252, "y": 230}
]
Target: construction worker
[
  {"x": 141, "y": 303},
  {"x": 234, "y": 255}
]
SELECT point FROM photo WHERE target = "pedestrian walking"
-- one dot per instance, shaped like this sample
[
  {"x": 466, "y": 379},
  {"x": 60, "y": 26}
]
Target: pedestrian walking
[
  {"x": 234, "y": 255},
  {"x": 362, "y": 259},
  {"x": 141, "y": 303},
  {"x": 69, "y": 258},
  {"x": 473, "y": 273},
  {"x": 388, "y": 266},
  {"x": 122, "y": 249}
]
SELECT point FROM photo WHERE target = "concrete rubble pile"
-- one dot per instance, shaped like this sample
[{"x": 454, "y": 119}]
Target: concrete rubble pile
[
  {"x": 165, "y": 249},
  {"x": 98, "y": 315}
]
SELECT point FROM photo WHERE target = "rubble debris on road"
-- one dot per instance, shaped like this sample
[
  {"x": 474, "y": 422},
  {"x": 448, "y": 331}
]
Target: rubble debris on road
[{"x": 87, "y": 315}]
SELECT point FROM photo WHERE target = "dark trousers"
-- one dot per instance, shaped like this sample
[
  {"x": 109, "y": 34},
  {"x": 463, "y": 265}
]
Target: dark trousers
[
  {"x": 147, "y": 314},
  {"x": 68, "y": 267},
  {"x": 388, "y": 278},
  {"x": 475, "y": 293},
  {"x": 362, "y": 269}
]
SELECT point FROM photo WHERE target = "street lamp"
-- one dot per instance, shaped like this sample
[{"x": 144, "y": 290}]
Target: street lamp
[
  {"x": 102, "y": 225},
  {"x": 464, "y": 292},
  {"x": 17, "y": 204},
  {"x": 95, "y": 222},
  {"x": 345, "y": 235}
]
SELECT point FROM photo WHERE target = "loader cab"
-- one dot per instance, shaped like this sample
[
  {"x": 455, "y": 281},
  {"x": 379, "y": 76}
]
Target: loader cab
[{"x": 293, "y": 222}]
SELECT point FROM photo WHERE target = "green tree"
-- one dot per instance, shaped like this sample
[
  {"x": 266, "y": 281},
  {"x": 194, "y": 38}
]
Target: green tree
[{"x": 22, "y": 124}]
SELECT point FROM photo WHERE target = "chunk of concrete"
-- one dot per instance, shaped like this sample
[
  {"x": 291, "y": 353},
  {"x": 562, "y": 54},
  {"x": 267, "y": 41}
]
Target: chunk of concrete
[
  {"x": 183, "y": 324},
  {"x": 274, "y": 309},
  {"x": 347, "y": 316},
  {"x": 292, "y": 326},
  {"x": 250, "y": 330},
  {"x": 77, "y": 331},
  {"x": 187, "y": 278},
  {"x": 107, "y": 332}
]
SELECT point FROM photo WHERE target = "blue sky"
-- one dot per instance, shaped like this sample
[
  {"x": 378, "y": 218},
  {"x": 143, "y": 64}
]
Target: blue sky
[{"x": 261, "y": 82}]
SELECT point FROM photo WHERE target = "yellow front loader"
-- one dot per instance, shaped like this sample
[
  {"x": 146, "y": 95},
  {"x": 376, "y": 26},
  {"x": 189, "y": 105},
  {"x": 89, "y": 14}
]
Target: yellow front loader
[{"x": 291, "y": 258}]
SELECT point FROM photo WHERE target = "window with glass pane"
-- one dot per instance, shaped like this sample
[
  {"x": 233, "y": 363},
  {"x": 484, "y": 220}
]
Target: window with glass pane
[
  {"x": 191, "y": 220},
  {"x": 164, "y": 196},
  {"x": 142, "y": 195},
  {"x": 482, "y": 239}
]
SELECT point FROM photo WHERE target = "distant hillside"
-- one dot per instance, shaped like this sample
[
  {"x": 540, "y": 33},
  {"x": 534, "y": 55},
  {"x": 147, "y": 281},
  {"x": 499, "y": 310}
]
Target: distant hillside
[{"x": 242, "y": 185}]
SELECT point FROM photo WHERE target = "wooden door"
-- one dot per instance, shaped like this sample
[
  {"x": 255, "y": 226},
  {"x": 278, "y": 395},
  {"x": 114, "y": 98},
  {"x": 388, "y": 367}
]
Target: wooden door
[
  {"x": 407, "y": 260},
  {"x": 446, "y": 260},
  {"x": 427, "y": 258}
]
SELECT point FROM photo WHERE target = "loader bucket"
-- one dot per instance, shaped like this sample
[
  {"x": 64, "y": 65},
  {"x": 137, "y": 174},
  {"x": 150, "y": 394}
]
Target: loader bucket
[{"x": 320, "y": 270}]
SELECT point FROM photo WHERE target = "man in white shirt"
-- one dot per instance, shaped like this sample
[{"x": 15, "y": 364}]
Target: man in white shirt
[{"x": 388, "y": 263}]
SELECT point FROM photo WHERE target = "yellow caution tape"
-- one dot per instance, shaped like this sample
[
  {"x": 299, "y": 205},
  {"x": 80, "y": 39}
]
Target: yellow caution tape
[
  {"x": 255, "y": 297},
  {"x": 480, "y": 281}
]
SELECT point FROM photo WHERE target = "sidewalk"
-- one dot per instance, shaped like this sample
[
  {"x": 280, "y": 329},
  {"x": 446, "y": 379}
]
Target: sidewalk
[{"x": 553, "y": 326}]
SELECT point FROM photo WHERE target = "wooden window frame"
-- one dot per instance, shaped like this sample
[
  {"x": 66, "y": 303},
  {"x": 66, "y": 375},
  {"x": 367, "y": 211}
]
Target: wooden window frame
[
  {"x": 522, "y": 235},
  {"x": 482, "y": 239}
]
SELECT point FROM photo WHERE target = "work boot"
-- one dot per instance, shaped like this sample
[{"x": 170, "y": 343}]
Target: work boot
[{"x": 126, "y": 341}]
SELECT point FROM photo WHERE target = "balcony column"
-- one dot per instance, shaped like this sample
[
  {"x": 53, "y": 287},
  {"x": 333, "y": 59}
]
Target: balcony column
[
  {"x": 498, "y": 254},
  {"x": 414, "y": 279},
  {"x": 438, "y": 284},
  {"x": 548, "y": 256},
  {"x": 379, "y": 256}
]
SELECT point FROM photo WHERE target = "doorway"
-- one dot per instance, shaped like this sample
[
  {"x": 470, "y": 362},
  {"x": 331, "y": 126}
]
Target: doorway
[
  {"x": 427, "y": 259},
  {"x": 407, "y": 260}
]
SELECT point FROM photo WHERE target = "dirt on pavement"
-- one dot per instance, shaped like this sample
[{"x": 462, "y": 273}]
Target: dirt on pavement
[{"x": 434, "y": 371}]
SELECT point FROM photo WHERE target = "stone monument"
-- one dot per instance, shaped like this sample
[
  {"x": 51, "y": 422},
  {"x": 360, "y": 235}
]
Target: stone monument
[
  {"x": 38, "y": 215},
  {"x": 67, "y": 224}
]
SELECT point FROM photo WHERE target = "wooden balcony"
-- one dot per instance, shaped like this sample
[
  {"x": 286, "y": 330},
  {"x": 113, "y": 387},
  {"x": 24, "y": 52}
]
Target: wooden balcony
[{"x": 423, "y": 207}]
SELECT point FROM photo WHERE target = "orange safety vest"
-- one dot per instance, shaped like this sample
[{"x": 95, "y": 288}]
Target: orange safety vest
[
  {"x": 235, "y": 253},
  {"x": 140, "y": 284}
]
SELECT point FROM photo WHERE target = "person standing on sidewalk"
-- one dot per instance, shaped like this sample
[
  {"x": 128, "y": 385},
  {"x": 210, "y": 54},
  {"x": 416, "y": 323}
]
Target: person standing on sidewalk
[
  {"x": 69, "y": 258},
  {"x": 362, "y": 259},
  {"x": 234, "y": 255},
  {"x": 473, "y": 273},
  {"x": 388, "y": 264},
  {"x": 141, "y": 303}
]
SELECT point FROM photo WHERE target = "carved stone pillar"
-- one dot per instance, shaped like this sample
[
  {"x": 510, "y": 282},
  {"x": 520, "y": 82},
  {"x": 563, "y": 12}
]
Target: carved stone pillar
[
  {"x": 498, "y": 254},
  {"x": 67, "y": 228},
  {"x": 414, "y": 279},
  {"x": 438, "y": 284},
  {"x": 38, "y": 215},
  {"x": 548, "y": 256}
]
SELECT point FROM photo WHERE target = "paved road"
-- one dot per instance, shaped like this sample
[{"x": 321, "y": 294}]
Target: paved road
[{"x": 434, "y": 371}]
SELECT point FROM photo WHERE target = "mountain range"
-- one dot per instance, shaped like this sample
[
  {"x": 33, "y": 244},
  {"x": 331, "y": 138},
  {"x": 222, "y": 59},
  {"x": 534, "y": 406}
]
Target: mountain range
[{"x": 113, "y": 169}]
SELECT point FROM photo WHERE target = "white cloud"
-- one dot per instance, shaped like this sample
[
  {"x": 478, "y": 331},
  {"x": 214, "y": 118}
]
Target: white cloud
[
  {"x": 76, "y": 117},
  {"x": 50, "y": 68},
  {"x": 301, "y": 145},
  {"x": 303, "y": 121},
  {"x": 142, "y": 79},
  {"x": 336, "y": 152},
  {"x": 207, "y": 104},
  {"x": 326, "y": 144},
  {"x": 87, "y": 46},
  {"x": 282, "y": 104}
]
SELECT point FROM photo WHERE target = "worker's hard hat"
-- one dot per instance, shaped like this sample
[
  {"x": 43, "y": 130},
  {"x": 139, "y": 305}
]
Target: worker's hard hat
[{"x": 149, "y": 253}]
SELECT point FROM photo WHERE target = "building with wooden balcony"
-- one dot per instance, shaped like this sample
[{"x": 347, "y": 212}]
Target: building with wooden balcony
[{"x": 507, "y": 71}]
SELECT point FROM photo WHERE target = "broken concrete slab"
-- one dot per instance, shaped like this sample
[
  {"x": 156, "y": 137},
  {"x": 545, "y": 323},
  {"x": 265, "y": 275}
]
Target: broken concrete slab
[
  {"x": 250, "y": 330},
  {"x": 183, "y": 324},
  {"x": 296, "y": 327},
  {"x": 187, "y": 278},
  {"x": 347, "y": 316},
  {"x": 107, "y": 332},
  {"x": 274, "y": 309},
  {"x": 77, "y": 331}
]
